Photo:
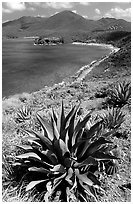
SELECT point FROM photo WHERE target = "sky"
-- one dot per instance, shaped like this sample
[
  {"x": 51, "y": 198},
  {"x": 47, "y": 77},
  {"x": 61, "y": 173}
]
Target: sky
[{"x": 91, "y": 10}]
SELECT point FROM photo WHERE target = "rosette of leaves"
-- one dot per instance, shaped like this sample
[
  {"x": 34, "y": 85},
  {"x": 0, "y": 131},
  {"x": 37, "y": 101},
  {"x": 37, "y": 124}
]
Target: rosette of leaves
[
  {"x": 60, "y": 157},
  {"x": 112, "y": 118},
  {"x": 23, "y": 114},
  {"x": 120, "y": 95}
]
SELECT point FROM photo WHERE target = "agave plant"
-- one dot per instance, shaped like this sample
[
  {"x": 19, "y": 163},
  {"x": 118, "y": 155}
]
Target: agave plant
[
  {"x": 23, "y": 114},
  {"x": 61, "y": 156},
  {"x": 112, "y": 118},
  {"x": 120, "y": 95}
]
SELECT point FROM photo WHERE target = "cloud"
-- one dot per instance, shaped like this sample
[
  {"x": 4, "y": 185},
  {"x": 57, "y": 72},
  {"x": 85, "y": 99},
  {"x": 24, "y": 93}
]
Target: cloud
[
  {"x": 58, "y": 5},
  {"x": 85, "y": 17},
  {"x": 4, "y": 10},
  {"x": 9, "y": 7},
  {"x": 118, "y": 13},
  {"x": 74, "y": 11},
  {"x": 41, "y": 16},
  {"x": 35, "y": 3},
  {"x": 31, "y": 9},
  {"x": 97, "y": 11},
  {"x": 84, "y": 3},
  {"x": 123, "y": 2}
]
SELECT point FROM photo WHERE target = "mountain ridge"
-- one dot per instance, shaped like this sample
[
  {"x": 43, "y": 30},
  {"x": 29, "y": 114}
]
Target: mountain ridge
[{"x": 63, "y": 23}]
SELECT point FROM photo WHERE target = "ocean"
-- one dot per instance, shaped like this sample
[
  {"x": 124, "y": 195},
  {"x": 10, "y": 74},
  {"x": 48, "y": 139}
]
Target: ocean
[{"x": 28, "y": 68}]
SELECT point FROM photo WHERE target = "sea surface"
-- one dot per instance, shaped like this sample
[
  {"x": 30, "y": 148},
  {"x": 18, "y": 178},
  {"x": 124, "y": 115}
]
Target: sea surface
[{"x": 28, "y": 68}]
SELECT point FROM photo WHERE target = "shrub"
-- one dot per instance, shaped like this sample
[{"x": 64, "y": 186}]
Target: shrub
[
  {"x": 112, "y": 118},
  {"x": 102, "y": 93},
  {"x": 120, "y": 95},
  {"x": 61, "y": 156}
]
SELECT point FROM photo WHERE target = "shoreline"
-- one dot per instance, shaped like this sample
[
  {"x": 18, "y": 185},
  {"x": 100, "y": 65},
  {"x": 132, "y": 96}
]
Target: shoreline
[{"x": 78, "y": 76}]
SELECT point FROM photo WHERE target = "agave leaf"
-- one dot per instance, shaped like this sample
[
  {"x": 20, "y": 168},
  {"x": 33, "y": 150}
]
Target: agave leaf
[
  {"x": 79, "y": 135},
  {"x": 19, "y": 164},
  {"x": 55, "y": 117},
  {"x": 45, "y": 141},
  {"x": 112, "y": 132},
  {"x": 69, "y": 176},
  {"x": 42, "y": 155},
  {"x": 64, "y": 134},
  {"x": 71, "y": 130},
  {"x": 83, "y": 197},
  {"x": 39, "y": 163},
  {"x": 61, "y": 149},
  {"x": 56, "y": 180},
  {"x": 28, "y": 155},
  {"x": 56, "y": 187},
  {"x": 48, "y": 192},
  {"x": 111, "y": 167},
  {"x": 30, "y": 133},
  {"x": 51, "y": 156},
  {"x": 102, "y": 156},
  {"x": 92, "y": 190},
  {"x": 83, "y": 178},
  {"x": 46, "y": 127},
  {"x": 70, "y": 114},
  {"x": 66, "y": 139},
  {"x": 75, "y": 184},
  {"x": 89, "y": 161},
  {"x": 93, "y": 178},
  {"x": 58, "y": 168},
  {"x": 93, "y": 129},
  {"x": 32, "y": 184},
  {"x": 87, "y": 190},
  {"x": 55, "y": 130},
  {"x": 94, "y": 146},
  {"x": 24, "y": 147},
  {"x": 34, "y": 141},
  {"x": 61, "y": 119},
  {"x": 39, "y": 170},
  {"x": 79, "y": 126}
]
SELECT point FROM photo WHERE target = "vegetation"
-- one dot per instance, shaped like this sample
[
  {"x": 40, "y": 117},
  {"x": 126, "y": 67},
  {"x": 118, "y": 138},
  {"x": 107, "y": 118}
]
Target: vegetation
[
  {"x": 64, "y": 154},
  {"x": 48, "y": 41},
  {"x": 120, "y": 95},
  {"x": 23, "y": 114},
  {"x": 112, "y": 118}
]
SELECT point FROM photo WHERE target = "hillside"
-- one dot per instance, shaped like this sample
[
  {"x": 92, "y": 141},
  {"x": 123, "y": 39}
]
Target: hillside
[
  {"x": 117, "y": 65},
  {"x": 65, "y": 23}
]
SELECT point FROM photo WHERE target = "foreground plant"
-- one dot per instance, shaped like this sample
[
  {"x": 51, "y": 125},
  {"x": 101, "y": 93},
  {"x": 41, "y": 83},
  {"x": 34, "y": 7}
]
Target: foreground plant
[
  {"x": 120, "y": 95},
  {"x": 65, "y": 155}
]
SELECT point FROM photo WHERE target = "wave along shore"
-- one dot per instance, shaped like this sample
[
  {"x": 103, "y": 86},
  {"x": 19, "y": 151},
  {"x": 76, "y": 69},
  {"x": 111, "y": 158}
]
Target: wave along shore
[{"x": 79, "y": 75}]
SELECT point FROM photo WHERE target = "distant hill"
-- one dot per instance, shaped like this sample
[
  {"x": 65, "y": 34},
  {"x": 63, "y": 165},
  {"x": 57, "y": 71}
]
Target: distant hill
[
  {"x": 66, "y": 24},
  {"x": 112, "y": 24}
]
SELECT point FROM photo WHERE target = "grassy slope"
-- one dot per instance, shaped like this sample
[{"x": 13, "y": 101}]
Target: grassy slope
[{"x": 72, "y": 93}]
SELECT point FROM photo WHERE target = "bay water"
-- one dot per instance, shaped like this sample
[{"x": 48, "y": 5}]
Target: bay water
[{"x": 28, "y": 68}]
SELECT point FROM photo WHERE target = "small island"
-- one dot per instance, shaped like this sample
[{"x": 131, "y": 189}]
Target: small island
[{"x": 48, "y": 41}]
